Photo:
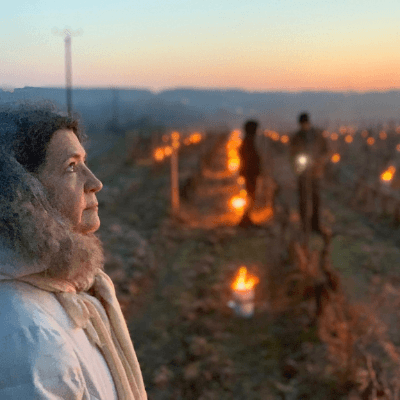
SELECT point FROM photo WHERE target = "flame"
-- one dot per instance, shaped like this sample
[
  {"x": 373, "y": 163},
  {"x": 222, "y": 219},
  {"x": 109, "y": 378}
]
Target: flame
[
  {"x": 382, "y": 135},
  {"x": 232, "y": 146},
  {"x": 370, "y": 141},
  {"x": 195, "y": 137},
  {"x": 238, "y": 203},
  {"x": 342, "y": 130},
  {"x": 348, "y": 139},
  {"x": 285, "y": 139},
  {"x": 175, "y": 136},
  {"x": 234, "y": 164},
  {"x": 244, "y": 281},
  {"x": 335, "y": 158},
  {"x": 274, "y": 136},
  {"x": 233, "y": 153},
  {"x": 334, "y": 136},
  {"x": 387, "y": 175},
  {"x": 159, "y": 154},
  {"x": 241, "y": 180},
  {"x": 168, "y": 151}
]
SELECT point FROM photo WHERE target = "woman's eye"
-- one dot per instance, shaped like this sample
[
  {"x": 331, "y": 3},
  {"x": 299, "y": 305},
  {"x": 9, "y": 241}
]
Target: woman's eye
[{"x": 71, "y": 167}]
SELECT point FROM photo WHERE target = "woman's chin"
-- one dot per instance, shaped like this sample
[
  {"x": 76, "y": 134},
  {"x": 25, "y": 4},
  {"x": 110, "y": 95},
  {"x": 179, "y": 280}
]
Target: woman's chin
[{"x": 88, "y": 224}]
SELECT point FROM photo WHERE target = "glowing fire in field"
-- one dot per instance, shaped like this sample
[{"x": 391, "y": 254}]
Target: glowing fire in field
[
  {"x": 335, "y": 158},
  {"x": 334, "y": 136},
  {"x": 348, "y": 139},
  {"x": 285, "y": 139},
  {"x": 387, "y": 175},
  {"x": 234, "y": 164},
  {"x": 168, "y": 150},
  {"x": 195, "y": 137},
  {"x": 371, "y": 141},
  {"x": 238, "y": 203},
  {"x": 159, "y": 154},
  {"x": 244, "y": 281},
  {"x": 232, "y": 146}
]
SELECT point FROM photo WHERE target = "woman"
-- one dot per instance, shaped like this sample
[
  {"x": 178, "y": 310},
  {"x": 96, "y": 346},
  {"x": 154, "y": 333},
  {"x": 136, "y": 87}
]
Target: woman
[{"x": 62, "y": 333}]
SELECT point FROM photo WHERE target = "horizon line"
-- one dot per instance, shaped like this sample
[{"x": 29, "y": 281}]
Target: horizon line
[{"x": 10, "y": 89}]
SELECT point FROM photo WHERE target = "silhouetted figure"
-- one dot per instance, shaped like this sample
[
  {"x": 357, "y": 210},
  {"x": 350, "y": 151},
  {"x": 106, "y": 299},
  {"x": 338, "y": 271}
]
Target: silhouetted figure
[
  {"x": 249, "y": 168},
  {"x": 309, "y": 153}
]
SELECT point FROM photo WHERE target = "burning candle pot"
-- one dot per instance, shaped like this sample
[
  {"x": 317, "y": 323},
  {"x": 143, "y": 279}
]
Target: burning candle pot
[
  {"x": 243, "y": 293},
  {"x": 387, "y": 176}
]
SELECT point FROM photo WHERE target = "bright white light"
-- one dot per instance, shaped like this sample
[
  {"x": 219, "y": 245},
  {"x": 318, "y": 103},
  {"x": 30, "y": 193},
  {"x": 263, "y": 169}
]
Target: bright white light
[{"x": 302, "y": 160}]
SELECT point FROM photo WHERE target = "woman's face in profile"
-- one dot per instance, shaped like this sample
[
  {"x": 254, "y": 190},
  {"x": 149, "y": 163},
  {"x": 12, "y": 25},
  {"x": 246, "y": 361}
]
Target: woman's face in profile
[{"x": 70, "y": 183}]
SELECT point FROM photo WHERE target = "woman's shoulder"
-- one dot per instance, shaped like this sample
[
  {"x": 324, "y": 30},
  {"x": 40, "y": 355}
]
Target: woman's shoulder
[{"x": 23, "y": 305}]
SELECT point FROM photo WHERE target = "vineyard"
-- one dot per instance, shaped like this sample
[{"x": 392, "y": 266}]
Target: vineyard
[{"x": 325, "y": 322}]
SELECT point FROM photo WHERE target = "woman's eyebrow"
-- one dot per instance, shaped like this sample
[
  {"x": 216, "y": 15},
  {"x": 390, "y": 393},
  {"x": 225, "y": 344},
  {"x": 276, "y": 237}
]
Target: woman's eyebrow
[{"x": 77, "y": 156}]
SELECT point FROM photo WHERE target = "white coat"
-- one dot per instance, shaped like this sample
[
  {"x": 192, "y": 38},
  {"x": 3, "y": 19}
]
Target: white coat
[{"x": 42, "y": 354}]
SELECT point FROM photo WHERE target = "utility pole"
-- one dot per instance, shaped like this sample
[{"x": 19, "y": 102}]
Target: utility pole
[{"x": 67, "y": 33}]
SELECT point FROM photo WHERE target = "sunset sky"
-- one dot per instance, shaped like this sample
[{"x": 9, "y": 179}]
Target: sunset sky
[{"x": 260, "y": 45}]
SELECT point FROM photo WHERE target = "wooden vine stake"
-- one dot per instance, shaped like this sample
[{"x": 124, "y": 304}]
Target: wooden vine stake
[{"x": 175, "y": 174}]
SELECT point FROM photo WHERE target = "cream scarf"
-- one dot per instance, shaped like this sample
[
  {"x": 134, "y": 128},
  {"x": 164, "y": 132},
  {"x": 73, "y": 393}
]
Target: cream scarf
[{"x": 107, "y": 329}]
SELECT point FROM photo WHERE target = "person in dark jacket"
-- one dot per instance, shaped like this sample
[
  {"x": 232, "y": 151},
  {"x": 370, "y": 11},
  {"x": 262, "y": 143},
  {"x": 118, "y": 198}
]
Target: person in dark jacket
[
  {"x": 249, "y": 168},
  {"x": 309, "y": 153}
]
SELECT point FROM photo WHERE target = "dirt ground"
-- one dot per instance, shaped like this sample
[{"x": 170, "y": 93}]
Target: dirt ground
[{"x": 173, "y": 282}]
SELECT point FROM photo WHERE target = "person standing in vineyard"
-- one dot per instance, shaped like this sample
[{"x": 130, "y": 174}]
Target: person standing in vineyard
[
  {"x": 308, "y": 155},
  {"x": 249, "y": 169}
]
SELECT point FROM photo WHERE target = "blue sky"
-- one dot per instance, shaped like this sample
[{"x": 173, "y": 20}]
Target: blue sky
[{"x": 259, "y": 45}]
